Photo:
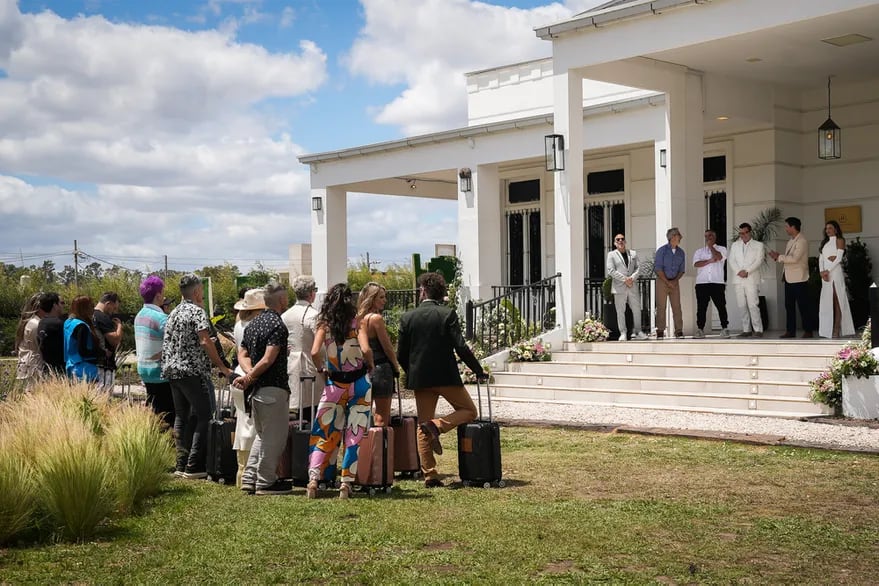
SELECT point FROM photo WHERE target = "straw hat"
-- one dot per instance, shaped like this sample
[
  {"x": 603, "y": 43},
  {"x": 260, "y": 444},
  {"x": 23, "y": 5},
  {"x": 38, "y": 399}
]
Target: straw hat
[{"x": 253, "y": 299}]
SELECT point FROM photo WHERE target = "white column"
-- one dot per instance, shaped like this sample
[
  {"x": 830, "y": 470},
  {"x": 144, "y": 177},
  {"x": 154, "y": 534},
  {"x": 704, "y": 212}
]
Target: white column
[
  {"x": 329, "y": 238},
  {"x": 683, "y": 205},
  {"x": 568, "y": 199},
  {"x": 479, "y": 233}
]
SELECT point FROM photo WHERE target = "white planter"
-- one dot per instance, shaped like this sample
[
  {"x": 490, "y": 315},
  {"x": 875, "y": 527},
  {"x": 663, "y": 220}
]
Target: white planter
[{"x": 860, "y": 397}]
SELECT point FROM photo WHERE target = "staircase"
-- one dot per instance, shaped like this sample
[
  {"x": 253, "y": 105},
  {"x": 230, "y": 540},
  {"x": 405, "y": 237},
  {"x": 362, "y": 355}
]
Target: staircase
[{"x": 768, "y": 377}]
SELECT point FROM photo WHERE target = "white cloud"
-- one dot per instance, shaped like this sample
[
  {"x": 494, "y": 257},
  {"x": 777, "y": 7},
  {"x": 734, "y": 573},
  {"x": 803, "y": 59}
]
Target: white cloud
[
  {"x": 430, "y": 45},
  {"x": 288, "y": 16}
]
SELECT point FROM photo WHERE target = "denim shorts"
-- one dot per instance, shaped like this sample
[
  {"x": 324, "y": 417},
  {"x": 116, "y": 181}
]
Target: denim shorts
[{"x": 382, "y": 380}]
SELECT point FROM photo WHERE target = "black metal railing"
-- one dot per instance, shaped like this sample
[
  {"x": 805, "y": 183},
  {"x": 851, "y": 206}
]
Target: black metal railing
[
  {"x": 512, "y": 314},
  {"x": 401, "y": 298},
  {"x": 595, "y": 303}
]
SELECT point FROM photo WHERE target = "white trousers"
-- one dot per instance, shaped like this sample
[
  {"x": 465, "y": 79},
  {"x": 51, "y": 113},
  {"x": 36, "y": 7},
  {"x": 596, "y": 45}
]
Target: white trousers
[
  {"x": 749, "y": 303},
  {"x": 620, "y": 299}
]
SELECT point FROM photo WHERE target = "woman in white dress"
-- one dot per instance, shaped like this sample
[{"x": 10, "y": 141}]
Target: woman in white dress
[{"x": 834, "y": 315}]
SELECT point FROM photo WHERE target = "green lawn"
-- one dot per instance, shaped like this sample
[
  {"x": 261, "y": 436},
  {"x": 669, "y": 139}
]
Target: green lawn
[{"x": 579, "y": 507}]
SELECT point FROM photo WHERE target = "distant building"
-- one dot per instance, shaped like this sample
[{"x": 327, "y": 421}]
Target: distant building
[{"x": 299, "y": 262}]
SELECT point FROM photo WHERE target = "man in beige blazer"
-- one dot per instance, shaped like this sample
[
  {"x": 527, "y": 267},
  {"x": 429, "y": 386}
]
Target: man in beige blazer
[{"x": 796, "y": 276}]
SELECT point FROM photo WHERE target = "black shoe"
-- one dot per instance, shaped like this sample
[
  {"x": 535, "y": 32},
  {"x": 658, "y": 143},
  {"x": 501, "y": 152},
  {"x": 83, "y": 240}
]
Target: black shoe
[
  {"x": 433, "y": 483},
  {"x": 279, "y": 487},
  {"x": 248, "y": 488},
  {"x": 429, "y": 429},
  {"x": 192, "y": 474}
]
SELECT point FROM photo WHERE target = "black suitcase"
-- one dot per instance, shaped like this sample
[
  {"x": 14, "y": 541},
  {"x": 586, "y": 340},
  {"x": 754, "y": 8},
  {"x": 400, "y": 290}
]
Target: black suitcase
[
  {"x": 221, "y": 463},
  {"x": 406, "y": 459},
  {"x": 294, "y": 460},
  {"x": 479, "y": 448}
]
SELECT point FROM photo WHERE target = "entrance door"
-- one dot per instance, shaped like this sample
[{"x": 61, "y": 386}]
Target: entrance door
[
  {"x": 604, "y": 219},
  {"x": 523, "y": 233}
]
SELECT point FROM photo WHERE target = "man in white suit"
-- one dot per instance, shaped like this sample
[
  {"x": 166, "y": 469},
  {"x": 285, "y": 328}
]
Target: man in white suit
[
  {"x": 622, "y": 267},
  {"x": 746, "y": 256}
]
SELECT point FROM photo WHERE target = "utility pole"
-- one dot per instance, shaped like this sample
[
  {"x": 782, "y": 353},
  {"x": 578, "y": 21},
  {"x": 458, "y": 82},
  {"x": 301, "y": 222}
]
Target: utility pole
[
  {"x": 75, "y": 266},
  {"x": 370, "y": 263},
  {"x": 166, "y": 268}
]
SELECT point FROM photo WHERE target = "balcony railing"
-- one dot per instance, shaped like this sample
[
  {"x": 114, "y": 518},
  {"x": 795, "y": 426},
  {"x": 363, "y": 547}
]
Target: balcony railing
[
  {"x": 512, "y": 314},
  {"x": 401, "y": 298}
]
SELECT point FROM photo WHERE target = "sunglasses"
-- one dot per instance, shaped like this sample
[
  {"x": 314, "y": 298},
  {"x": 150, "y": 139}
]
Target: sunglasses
[{"x": 619, "y": 239}]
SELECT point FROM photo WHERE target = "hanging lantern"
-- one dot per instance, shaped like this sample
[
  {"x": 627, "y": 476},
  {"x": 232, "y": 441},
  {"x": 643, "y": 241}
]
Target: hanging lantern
[{"x": 829, "y": 135}]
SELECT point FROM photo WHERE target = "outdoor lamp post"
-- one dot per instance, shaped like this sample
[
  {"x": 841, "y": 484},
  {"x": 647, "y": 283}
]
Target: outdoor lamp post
[
  {"x": 555, "y": 152},
  {"x": 829, "y": 135},
  {"x": 316, "y": 204},
  {"x": 465, "y": 180}
]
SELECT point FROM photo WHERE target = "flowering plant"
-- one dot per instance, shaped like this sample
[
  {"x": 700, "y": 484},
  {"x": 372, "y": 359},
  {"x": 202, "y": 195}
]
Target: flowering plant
[
  {"x": 589, "y": 329},
  {"x": 855, "y": 360},
  {"x": 467, "y": 375},
  {"x": 530, "y": 351}
]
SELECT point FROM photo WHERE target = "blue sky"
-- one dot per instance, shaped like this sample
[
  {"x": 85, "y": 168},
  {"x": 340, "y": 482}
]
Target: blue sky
[{"x": 172, "y": 127}]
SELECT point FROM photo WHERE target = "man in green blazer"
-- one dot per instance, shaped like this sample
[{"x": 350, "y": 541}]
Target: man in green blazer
[{"x": 430, "y": 335}]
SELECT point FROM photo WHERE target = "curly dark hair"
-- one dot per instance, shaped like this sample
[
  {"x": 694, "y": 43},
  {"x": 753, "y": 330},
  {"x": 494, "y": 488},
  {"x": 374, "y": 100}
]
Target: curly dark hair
[
  {"x": 337, "y": 311},
  {"x": 434, "y": 285}
]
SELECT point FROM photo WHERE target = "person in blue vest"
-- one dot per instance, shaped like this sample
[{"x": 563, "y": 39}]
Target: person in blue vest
[{"x": 81, "y": 345}]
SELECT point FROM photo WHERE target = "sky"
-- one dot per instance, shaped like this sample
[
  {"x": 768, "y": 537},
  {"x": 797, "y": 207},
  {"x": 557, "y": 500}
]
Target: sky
[{"x": 173, "y": 127}]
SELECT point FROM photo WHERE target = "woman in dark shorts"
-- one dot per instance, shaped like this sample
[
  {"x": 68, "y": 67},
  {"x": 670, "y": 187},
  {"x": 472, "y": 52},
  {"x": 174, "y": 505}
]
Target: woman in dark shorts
[{"x": 369, "y": 312}]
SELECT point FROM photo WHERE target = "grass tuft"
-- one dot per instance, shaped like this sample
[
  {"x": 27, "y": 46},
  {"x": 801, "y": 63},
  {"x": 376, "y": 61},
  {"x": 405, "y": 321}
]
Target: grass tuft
[
  {"x": 17, "y": 492},
  {"x": 139, "y": 453}
]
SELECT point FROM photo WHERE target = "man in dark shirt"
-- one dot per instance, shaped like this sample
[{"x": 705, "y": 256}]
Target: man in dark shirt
[
  {"x": 430, "y": 336},
  {"x": 50, "y": 333},
  {"x": 263, "y": 357},
  {"x": 110, "y": 329}
]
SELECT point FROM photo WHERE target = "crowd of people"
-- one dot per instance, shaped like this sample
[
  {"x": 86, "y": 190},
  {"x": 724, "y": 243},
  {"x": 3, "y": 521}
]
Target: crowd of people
[
  {"x": 740, "y": 267},
  {"x": 343, "y": 345}
]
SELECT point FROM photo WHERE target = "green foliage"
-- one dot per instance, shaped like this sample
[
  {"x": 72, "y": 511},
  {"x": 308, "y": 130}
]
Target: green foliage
[
  {"x": 607, "y": 289},
  {"x": 394, "y": 277},
  {"x": 18, "y": 500},
  {"x": 763, "y": 226},
  {"x": 858, "y": 269}
]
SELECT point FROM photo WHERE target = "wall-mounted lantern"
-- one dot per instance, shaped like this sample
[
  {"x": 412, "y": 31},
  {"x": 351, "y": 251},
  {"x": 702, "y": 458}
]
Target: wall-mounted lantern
[
  {"x": 316, "y": 204},
  {"x": 465, "y": 180},
  {"x": 663, "y": 158},
  {"x": 555, "y": 152}
]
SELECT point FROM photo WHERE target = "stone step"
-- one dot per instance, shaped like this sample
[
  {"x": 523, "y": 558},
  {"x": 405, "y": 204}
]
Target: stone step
[
  {"x": 661, "y": 371},
  {"x": 824, "y": 348},
  {"x": 679, "y": 385},
  {"x": 638, "y": 356},
  {"x": 767, "y": 405}
]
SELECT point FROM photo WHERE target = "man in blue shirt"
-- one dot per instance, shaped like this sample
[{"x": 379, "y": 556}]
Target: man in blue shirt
[{"x": 669, "y": 266}]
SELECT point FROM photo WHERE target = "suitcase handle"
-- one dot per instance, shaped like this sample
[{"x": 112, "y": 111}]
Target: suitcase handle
[
  {"x": 399, "y": 396},
  {"x": 479, "y": 398},
  {"x": 226, "y": 390},
  {"x": 302, "y": 379}
]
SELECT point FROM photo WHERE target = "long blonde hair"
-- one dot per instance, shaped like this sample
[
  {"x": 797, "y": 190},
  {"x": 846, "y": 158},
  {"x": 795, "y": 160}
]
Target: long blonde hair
[{"x": 366, "y": 301}]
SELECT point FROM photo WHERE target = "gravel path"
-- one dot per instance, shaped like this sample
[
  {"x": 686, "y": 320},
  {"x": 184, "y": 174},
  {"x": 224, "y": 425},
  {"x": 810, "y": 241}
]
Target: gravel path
[
  {"x": 841, "y": 434},
  {"x": 850, "y": 437}
]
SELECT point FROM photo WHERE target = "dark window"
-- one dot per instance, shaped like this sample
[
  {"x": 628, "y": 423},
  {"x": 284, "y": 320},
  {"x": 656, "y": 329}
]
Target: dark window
[
  {"x": 535, "y": 268},
  {"x": 714, "y": 168},
  {"x": 517, "y": 249},
  {"x": 605, "y": 182},
  {"x": 595, "y": 240},
  {"x": 717, "y": 215},
  {"x": 524, "y": 191}
]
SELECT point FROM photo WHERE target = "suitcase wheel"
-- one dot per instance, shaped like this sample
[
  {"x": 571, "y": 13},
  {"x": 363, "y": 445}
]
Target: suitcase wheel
[
  {"x": 465, "y": 482},
  {"x": 486, "y": 485},
  {"x": 372, "y": 492},
  {"x": 389, "y": 490},
  {"x": 501, "y": 484}
]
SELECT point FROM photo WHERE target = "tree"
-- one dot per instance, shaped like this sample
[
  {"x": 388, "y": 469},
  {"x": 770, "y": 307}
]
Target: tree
[
  {"x": 67, "y": 276},
  {"x": 48, "y": 270},
  {"x": 93, "y": 271}
]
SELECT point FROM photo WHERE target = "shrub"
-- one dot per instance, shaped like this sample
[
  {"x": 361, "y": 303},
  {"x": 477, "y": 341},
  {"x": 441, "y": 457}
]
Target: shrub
[
  {"x": 139, "y": 453},
  {"x": 17, "y": 491},
  {"x": 530, "y": 351},
  {"x": 589, "y": 329}
]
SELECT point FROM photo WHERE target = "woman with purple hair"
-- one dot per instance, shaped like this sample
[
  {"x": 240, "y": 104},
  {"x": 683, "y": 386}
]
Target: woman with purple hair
[{"x": 149, "y": 328}]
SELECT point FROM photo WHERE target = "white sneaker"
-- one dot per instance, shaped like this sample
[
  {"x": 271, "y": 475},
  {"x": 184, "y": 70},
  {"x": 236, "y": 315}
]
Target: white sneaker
[
  {"x": 699, "y": 334},
  {"x": 622, "y": 338},
  {"x": 724, "y": 333},
  {"x": 640, "y": 336}
]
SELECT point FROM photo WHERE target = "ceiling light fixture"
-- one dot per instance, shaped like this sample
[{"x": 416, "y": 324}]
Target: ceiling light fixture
[
  {"x": 846, "y": 40},
  {"x": 829, "y": 135}
]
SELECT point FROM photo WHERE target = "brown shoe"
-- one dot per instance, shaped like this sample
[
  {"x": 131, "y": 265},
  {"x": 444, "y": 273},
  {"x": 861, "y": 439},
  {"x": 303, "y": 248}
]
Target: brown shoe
[
  {"x": 429, "y": 429},
  {"x": 788, "y": 335},
  {"x": 659, "y": 335},
  {"x": 433, "y": 483},
  {"x": 808, "y": 335}
]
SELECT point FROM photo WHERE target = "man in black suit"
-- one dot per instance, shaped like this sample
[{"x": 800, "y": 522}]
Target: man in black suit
[{"x": 430, "y": 335}]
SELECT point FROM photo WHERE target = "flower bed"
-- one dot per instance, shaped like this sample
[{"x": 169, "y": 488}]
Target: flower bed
[
  {"x": 853, "y": 360},
  {"x": 530, "y": 351},
  {"x": 589, "y": 329}
]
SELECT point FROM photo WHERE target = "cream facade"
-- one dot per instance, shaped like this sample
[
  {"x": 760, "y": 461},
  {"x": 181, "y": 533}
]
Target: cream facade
[{"x": 630, "y": 86}]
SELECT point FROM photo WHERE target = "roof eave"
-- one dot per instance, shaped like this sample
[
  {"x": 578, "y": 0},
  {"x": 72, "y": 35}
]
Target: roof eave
[{"x": 600, "y": 18}]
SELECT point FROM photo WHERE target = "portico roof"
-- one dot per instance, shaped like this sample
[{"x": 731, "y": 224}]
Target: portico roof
[{"x": 610, "y": 12}]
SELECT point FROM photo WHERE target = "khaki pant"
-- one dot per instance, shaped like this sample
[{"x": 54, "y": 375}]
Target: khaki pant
[
  {"x": 425, "y": 403},
  {"x": 664, "y": 294}
]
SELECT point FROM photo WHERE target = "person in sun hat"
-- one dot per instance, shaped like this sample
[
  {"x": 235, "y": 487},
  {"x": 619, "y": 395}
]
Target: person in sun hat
[
  {"x": 250, "y": 305},
  {"x": 187, "y": 355}
]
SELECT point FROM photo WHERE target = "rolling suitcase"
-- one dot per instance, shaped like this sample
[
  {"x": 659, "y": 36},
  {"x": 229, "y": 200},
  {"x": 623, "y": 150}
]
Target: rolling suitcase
[
  {"x": 294, "y": 461},
  {"x": 406, "y": 459},
  {"x": 479, "y": 448},
  {"x": 375, "y": 460},
  {"x": 221, "y": 463}
]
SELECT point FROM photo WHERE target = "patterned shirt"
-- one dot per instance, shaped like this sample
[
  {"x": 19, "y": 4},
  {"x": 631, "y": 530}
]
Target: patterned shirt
[
  {"x": 182, "y": 354},
  {"x": 266, "y": 330},
  {"x": 149, "y": 328}
]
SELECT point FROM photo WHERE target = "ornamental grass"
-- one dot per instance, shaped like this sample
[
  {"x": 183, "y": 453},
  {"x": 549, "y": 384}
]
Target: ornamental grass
[
  {"x": 18, "y": 500},
  {"x": 140, "y": 454}
]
